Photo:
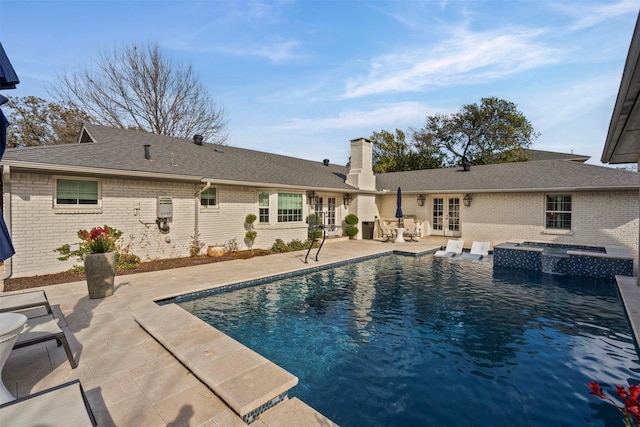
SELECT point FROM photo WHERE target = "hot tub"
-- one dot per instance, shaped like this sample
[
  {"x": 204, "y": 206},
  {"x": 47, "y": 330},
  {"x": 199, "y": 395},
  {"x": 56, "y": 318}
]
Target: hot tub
[{"x": 565, "y": 259}]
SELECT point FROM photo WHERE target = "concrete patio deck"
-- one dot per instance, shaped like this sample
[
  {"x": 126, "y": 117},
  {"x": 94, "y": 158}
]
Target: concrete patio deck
[
  {"x": 134, "y": 378},
  {"x": 131, "y": 379}
]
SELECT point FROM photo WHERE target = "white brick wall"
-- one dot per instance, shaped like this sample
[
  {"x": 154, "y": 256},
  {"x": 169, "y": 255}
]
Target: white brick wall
[
  {"x": 608, "y": 217},
  {"x": 597, "y": 218},
  {"x": 130, "y": 205}
]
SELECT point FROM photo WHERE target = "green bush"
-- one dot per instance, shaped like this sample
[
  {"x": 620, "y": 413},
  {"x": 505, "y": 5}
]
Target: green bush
[
  {"x": 351, "y": 231},
  {"x": 314, "y": 235},
  {"x": 251, "y": 235},
  {"x": 250, "y": 219},
  {"x": 279, "y": 246},
  {"x": 294, "y": 245},
  {"x": 351, "y": 219},
  {"x": 297, "y": 245}
]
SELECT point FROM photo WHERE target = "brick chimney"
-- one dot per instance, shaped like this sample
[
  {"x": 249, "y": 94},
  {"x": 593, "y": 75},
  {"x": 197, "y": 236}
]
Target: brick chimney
[{"x": 360, "y": 174}]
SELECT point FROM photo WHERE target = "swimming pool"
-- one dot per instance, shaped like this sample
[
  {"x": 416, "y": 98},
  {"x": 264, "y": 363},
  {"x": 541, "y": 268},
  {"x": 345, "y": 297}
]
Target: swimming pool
[{"x": 399, "y": 341}]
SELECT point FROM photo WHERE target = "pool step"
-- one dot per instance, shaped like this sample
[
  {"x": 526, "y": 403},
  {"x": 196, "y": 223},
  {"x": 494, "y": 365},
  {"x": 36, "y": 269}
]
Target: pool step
[{"x": 248, "y": 382}]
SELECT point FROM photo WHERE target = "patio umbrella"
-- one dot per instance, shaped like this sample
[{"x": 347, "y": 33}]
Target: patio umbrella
[
  {"x": 8, "y": 80},
  {"x": 8, "y": 76},
  {"x": 399, "y": 206}
]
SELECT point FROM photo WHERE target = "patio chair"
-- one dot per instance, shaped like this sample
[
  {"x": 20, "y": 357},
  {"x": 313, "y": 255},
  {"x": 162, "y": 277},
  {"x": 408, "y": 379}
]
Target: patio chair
[
  {"x": 63, "y": 405},
  {"x": 42, "y": 329},
  {"x": 454, "y": 247},
  {"x": 25, "y": 301},
  {"x": 411, "y": 229},
  {"x": 478, "y": 251},
  {"x": 387, "y": 233}
]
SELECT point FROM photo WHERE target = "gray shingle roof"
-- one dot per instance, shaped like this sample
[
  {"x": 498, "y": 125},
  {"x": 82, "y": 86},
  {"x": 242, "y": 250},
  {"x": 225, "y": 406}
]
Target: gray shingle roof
[
  {"x": 121, "y": 152},
  {"x": 522, "y": 176},
  {"x": 536, "y": 155}
]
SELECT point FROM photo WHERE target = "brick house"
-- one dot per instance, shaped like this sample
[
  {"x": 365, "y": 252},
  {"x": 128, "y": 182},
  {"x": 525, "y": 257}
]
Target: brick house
[{"x": 162, "y": 191}]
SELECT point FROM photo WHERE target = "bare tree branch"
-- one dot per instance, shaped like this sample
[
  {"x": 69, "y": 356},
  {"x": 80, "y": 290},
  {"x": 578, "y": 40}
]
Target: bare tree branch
[{"x": 139, "y": 87}]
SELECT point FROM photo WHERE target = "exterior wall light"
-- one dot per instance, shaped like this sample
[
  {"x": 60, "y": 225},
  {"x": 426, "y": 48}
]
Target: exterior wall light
[
  {"x": 346, "y": 199},
  {"x": 313, "y": 199},
  {"x": 467, "y": 199},
  {"x": 421, "y": 200}
]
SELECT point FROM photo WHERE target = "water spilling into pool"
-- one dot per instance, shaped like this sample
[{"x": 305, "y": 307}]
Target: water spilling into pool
[{"x": 402, "y": 341}]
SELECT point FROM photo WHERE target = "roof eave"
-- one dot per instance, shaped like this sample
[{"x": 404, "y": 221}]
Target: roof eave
[{"x": 626, "y": 109}]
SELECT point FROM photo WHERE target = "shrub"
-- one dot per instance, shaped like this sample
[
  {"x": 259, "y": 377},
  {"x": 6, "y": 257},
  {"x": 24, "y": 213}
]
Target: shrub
[
  {"x": 296, "y": 245},
  {"x": 196, "y": 245},
  {"x": 279, "y": 246},
  {"x": 351, "y": 219},
  {"x": 351, "y": 231},
  {"x": 250, "y": 219},
  {"x": 231, "y": 246}
]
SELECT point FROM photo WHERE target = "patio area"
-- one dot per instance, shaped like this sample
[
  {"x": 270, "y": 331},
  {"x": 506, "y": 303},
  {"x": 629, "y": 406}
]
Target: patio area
[{"x": 132, "y": 379}]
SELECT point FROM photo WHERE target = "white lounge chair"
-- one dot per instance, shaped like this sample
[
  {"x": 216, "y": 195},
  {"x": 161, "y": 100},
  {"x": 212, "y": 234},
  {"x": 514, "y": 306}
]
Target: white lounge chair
[
  {"x": 411, "y": 230},
  {"x": 454, "y": 247},
  {"x": 478, "y": 251}
]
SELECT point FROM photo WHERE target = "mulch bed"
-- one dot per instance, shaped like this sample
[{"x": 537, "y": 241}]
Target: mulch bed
[{"x": 20, "y": 283}]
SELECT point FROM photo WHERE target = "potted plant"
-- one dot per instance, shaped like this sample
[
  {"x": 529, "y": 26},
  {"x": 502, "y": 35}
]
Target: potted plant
[
  {"x": 351, "y": 230},
  {"x": 97, "y": 248}
]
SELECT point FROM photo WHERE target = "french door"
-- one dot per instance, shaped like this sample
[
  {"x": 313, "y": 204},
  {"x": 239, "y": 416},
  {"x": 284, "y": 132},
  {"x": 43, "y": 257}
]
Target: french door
[{"x": 445, "y": 219}]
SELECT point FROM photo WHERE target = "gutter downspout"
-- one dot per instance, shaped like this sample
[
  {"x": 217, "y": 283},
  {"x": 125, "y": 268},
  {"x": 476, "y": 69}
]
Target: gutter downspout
[
  {"x": 6, "y": 210},
  {"x": 197, "y": 209}
]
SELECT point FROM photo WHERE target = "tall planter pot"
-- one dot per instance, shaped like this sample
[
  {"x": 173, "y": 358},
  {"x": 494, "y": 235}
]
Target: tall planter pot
[{"x": 100, "y": 270}]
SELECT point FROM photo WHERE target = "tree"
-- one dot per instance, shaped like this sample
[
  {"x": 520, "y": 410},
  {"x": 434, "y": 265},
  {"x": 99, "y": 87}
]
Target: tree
[
  {"x": 34, "y": 121},
  {"x": 391, "y": 153},
  {"x": 139, "y": 87},
  {"x": 493, "y": 132}
]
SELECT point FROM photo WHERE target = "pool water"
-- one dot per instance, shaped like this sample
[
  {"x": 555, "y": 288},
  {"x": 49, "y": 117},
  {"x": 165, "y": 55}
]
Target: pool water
[{"x": 406, "y": 341}]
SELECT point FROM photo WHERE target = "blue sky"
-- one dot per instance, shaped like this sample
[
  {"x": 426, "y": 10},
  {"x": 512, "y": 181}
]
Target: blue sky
[{"x": 302, "y": 78}]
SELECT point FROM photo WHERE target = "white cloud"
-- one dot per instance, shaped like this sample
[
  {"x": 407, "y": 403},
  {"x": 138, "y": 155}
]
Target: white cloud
[
  {"x": 397, "y": 114},
  {"x": 463, "y": 58},
  {"x": 591, "y": 15}
]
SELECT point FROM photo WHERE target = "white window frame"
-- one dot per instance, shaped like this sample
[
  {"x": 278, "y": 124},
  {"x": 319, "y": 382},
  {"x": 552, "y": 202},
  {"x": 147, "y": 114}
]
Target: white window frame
[
  {"x": 77, "y": 207},
  {"x": 548, "y": 211},
  {"x": 301, "y": 215},
  {"x": 205, "y": 208},
  {"x": 268, "y": 208}
]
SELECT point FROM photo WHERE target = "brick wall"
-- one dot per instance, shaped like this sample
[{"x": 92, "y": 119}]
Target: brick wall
[
  {"x": 131, "y": 206},
  {"x": 597, "y": 218}
]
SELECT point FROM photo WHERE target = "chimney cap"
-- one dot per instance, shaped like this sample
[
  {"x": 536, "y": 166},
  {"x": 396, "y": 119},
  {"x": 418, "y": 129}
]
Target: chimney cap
[
  {"x": 197, "y": 139},
  {"x": 325, "y": 162}
]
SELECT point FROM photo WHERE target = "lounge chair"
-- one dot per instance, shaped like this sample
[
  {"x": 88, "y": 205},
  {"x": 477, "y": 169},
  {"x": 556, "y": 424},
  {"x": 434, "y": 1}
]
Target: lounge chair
[
  {"x": 64, "y": 405},
  {"x": 25, "y": 301},
  {"x": 454, "y": 247},
  {"x": 387, "y": 233},
  {"x": 410, "y": 229},
  {"x": 478, "y": 251},
  {"x": 41, "y": 329}
]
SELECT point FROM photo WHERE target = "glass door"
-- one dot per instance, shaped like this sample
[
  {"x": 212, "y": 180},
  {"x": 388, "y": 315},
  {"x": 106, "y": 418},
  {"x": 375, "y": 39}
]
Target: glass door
[{"x": 445, "y": 218}]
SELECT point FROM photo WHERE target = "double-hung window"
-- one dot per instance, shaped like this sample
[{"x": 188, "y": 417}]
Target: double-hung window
[
  {"x": 558, "y": 211},
  {"x": 289, "y": 207},
  {"x": 263, "y": 206},
  {"x": 209, "y": 198},
  {"x": 76, "y": 192}
]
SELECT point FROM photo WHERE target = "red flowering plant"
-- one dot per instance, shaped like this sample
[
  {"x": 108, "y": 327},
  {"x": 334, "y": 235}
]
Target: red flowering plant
[
  {"x": 95, "y": 241},
  {"x": 630, "y": 398}
]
